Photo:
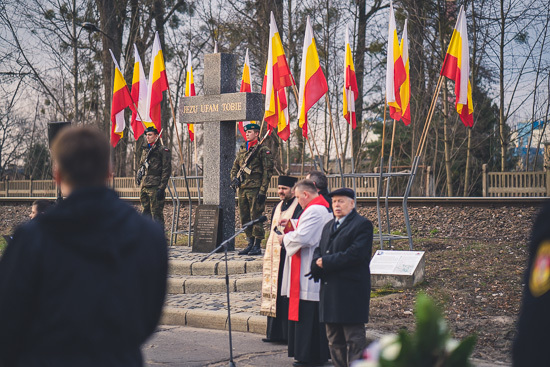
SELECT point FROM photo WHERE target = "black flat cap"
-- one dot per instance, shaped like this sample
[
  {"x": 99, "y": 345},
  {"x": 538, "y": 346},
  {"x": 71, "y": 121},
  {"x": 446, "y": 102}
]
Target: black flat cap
[
  {"x": 344, "y": 191},
  {"x": 288, "y": 181}
]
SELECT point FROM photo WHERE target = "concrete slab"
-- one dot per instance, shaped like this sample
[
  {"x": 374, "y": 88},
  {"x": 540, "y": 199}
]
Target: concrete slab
[
  {"x": 257, "y": 324},
  {"x": 173, "y": 316},
  {"x": 233, "y": 267},
  {"x": 239, "y": 321},
  {"x": 204, "y": 268},
  {"x": 254, "y": 266},
  {"x": 174, "y": 285},
  {"x": 203, "y": 285},
  {"x": 248, "y": 285},
  {"x": 179, "y": 267},
  {"x": 206, "y": 319}
]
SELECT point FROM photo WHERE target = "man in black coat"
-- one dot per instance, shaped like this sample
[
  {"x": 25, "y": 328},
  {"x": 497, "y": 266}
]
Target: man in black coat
[
  {"x": 533, "y": 330},
  {"x": 342, "y": 263},
  {"x": 84, "y": 283}
]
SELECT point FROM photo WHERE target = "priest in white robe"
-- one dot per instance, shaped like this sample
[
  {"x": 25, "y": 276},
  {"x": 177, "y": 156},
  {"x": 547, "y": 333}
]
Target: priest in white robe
[{"x": 307, "y": 341}]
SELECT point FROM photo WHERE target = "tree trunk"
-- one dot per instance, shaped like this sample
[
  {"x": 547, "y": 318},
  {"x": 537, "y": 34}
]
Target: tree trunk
[{"x": 112, "y": 15}]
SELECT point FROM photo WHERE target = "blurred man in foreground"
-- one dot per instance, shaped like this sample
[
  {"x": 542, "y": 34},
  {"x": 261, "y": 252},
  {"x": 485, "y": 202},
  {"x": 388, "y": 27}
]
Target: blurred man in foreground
[{"x": 83, "y": 284}]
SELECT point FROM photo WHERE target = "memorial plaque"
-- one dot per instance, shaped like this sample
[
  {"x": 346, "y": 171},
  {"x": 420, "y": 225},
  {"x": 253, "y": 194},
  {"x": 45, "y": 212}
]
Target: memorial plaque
[
  {"x": 399, "y": 269},
  {"x": 207, "y": 232}
]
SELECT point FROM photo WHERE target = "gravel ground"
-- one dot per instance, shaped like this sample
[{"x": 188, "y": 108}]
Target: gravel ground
[{"x": 475, "y": 260}]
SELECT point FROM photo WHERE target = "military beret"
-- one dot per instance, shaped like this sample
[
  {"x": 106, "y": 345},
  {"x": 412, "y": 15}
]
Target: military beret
[
  {"x": 151, "y": 129},
  {"x": 251, "y": 126},
  {"x": 343, "y": 192},
  {"x": 288, "y": 181}
]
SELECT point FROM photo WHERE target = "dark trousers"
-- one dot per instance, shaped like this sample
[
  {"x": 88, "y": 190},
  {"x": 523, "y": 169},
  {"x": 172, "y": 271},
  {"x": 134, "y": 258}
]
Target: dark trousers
[
  {"x": 307, "y": 339},
  {"x": 346, "y": 342}
]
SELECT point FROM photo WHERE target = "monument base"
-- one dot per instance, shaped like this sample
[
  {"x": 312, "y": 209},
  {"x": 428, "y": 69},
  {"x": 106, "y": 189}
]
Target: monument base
[{"x": 397, "y": 269}]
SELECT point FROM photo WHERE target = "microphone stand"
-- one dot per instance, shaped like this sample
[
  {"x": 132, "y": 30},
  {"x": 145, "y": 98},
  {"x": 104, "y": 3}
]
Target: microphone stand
[{"x": 224, "y": 245}]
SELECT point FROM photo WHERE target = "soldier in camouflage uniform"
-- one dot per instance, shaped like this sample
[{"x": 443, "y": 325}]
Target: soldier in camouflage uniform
[
  {"x": 253, "y": 188},
  {"x": 157, "y": 172}
]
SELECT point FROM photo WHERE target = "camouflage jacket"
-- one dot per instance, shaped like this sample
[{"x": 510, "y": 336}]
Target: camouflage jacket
[
  {"x": 159, "y": 167},
  {"x": 261, "y": 168}
]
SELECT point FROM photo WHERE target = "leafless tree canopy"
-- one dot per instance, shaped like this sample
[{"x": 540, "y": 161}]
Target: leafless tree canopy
[{"x": 54, "y": 69}]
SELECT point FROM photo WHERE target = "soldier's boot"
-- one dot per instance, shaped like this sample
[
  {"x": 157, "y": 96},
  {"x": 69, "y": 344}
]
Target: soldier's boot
[
  {"x": 257, "y": 249},
  {"x": 248, "y": 248}
]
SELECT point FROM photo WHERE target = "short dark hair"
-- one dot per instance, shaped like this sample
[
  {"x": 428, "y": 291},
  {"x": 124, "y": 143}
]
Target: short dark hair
[
  {"x": 319, "y": 179},
  {"x": 82, "y": 156},
  {"x": 306, "y": 185},
  {"x": 42, "y": 205}
]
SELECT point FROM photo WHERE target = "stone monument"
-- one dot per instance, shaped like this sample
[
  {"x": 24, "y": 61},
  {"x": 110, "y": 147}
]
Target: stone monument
[{"x": 219, "y": 110}]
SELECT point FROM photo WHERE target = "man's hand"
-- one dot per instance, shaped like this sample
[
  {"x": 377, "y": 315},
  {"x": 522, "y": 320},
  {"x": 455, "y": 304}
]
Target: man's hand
[
  {"x": 280, "y": 238},
  {"x": 260, "y": 199},
  {"x": 283, "y": 222},
  {"x": 161, "y": 194},
  {"x": 319, "y": 262}
]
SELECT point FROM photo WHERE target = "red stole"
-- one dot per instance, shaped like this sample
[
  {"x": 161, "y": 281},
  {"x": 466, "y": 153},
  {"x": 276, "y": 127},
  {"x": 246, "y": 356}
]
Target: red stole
[{"x": 294, "y": 292}]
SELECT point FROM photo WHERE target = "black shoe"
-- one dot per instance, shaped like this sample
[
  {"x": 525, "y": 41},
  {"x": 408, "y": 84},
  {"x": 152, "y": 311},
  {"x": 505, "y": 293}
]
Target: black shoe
[
  {"x": 248, "y": 248},
  {"x": 306, "y": 364},
  {"x": 257, "y": 249},
  {"x": 269, "y": 340}
]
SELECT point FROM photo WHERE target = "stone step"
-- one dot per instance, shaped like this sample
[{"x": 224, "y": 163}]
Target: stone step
[
  {"x": 213, "y": 267},
  {"x": 240, "y": 321},
  {"x": 209, "y": 310},
  {"x": 248, "y": 282},
  {"x": 182, "y": 261}
]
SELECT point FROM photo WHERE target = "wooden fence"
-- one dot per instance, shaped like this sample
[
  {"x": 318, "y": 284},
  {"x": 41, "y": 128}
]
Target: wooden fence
[
  {"x": 126, "y": 188},
  {"x": 516, "y": 184},
  {"x": 495, "y": 184}
]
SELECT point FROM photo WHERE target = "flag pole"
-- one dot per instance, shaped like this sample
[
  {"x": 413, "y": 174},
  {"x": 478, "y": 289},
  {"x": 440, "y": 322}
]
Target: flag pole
[
  {"x": 307, "y": 138},
  {"x": 176, "y": 126},
  {"x": 429, "y": 118},
  {"x": 390, "y": 158},
  {"x": 379, "y": 188},
  {"x": 384, "y": 130},
  {"x": 335, "y": 142}
]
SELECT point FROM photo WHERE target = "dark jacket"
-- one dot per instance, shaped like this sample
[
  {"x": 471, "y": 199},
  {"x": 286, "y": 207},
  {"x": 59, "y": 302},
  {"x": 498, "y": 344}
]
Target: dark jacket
[
  {"x": 159, "y": 166},
  {"x": 345, "y": 276},
  {"x": 82, "y": 285},
  {"x": 531, "y": 344},
  {"x": 324, "y": 193},
  {"x": 261, "y": 168}
]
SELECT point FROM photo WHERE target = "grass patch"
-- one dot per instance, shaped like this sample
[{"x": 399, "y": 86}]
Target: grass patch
[
  {"x": 3, "y": 245},
  {"x": 384, "y": 291}
]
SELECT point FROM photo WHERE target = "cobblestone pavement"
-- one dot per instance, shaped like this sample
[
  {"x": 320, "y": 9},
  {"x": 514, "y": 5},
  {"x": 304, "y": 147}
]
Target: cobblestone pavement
[
  {"x": 240, "y": 301},
  {"x": 184, "y": 253}
]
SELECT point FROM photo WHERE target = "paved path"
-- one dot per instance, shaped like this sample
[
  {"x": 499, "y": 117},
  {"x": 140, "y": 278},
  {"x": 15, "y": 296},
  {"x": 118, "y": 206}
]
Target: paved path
[
  {"x": 175, "y": 346},
  {"x": 195, "y": 323}
]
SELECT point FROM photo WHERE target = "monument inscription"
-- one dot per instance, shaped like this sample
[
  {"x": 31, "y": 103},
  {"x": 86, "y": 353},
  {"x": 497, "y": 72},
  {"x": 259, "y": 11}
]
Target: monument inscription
[{"x": 223, "y": 107}]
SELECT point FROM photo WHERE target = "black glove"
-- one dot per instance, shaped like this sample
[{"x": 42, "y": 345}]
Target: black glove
[
  {"x": 161, "y": 194},
  {"x": 260, "y": 199},
  {"x": 310, "y": 276}
]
